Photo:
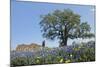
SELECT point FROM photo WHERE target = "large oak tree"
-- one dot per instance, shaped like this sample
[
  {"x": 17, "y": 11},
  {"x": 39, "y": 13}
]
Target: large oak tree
[{"x": 64, "y": 25}]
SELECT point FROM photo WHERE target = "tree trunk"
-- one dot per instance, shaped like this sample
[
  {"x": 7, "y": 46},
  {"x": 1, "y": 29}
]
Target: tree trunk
[
  {"x": 65, "y": 42},
  {"x": 65, "y": 36}
]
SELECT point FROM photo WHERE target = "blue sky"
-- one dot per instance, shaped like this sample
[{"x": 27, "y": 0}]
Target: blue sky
[{"x": 25, "y": 18}]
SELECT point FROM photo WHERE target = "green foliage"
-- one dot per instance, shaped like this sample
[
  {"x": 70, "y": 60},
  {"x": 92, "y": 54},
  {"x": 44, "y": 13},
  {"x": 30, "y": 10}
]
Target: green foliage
[
  {"x": 64, "y": 25},
  {"x": 19, "y": 61},
  {"x": 83, "y": 52}
]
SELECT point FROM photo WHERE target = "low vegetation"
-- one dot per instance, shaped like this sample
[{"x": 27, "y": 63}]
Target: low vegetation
[{"x": 77, "y": 52}]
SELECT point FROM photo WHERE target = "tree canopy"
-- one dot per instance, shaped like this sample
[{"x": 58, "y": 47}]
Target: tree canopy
[{"x": 63, "y": 25}]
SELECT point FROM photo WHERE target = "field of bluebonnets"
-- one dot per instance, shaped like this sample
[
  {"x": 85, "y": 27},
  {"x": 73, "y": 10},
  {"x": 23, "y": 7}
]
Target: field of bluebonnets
[{"x": 77, "y": 52}]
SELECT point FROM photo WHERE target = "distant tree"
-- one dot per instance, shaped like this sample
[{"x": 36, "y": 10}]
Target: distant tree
[
  {"x": 64, "y": 25},
  {"x": 43, "y": 43}
]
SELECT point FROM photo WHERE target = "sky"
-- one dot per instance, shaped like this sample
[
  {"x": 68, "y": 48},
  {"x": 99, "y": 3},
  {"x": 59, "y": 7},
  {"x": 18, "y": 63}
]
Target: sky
[{"x": 25, "y": 18}]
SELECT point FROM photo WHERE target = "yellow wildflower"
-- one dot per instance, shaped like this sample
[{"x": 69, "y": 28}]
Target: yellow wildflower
[
  {"x": 38, "y": 57},
  {"x": 67, "y": 61},
  {"x": 71, "y": 55},
  {"x": 61, "y": 60},
  {"x": 37, "y": 61},
  {"x": 80, "y": 47}
]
